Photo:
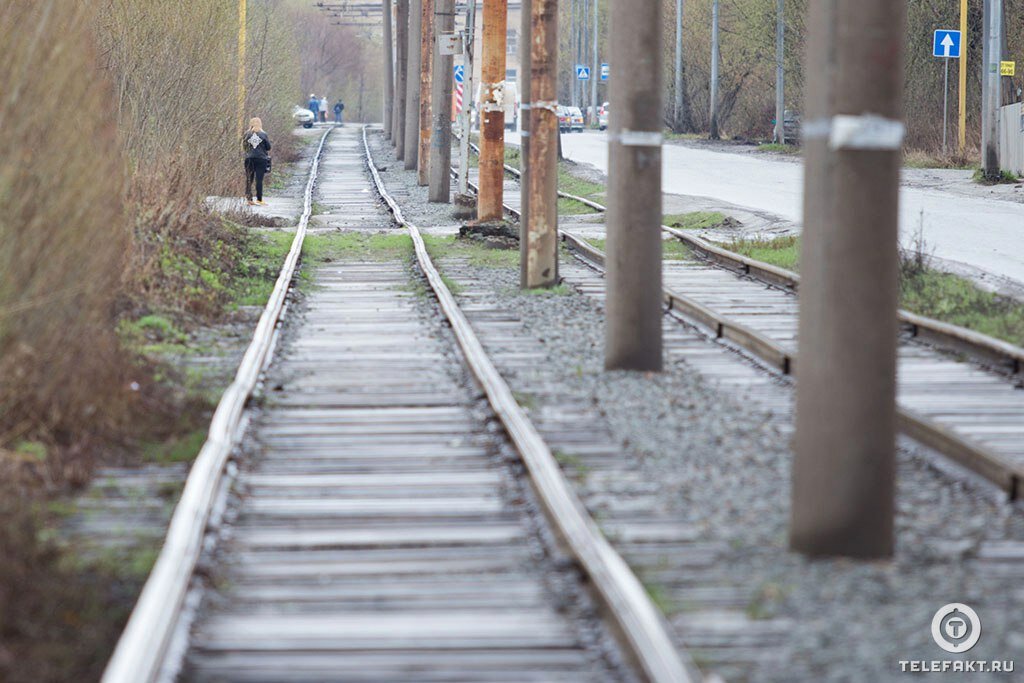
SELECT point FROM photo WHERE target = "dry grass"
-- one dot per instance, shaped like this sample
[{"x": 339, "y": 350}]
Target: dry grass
[
  {"x": 119, "y": 118},
  {"x": 64, "y": 238}
]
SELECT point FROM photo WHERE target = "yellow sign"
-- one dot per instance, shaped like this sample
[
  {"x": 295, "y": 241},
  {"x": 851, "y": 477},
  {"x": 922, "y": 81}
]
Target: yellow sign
[{"x": 1007, "y": 68}]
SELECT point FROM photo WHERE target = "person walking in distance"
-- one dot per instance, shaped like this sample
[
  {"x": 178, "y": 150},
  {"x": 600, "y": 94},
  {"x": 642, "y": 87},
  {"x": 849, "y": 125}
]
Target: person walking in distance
[
  {"x": 323, "y": 109},
  {"x": 256, "y": 144},
  {"x": 314, "y": 106},
  {"x": 339, "y": 107}
]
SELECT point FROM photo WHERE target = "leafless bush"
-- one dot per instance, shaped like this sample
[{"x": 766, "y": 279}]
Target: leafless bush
[{"x": 63, "y": 234}]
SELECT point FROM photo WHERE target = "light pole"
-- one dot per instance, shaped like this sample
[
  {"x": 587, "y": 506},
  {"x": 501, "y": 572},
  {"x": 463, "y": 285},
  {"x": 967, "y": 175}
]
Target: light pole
[
  {"x": 714, "y": 71},
  {"x": 780, "y": 73}
]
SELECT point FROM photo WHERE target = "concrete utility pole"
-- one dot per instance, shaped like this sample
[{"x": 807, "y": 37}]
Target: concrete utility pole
[
  {"x": 844, "y": 467},
  {"x": 714, "y": 71},
  {"x": 634, "y": 314},
  {"x": 441, "y": 107},
  {"x": 677, "y": 109},
  {"x": 492, "y": 128},
  {"x": 595, "y": 71},
  {"x": 414, "y": 78},
  {"x": 540, "y": 245},
  {"x": 574, "y": 101},
  {"x": 426, "y": 77},
  {"x": 389, "y": 70},
  {"x": 402, "y": 77},
  {"x": 780, "y": 73},
  {"x": 526, "y": 97},
  {"x": 990, "y": 88},
  {"x": 468, "y": 99}
]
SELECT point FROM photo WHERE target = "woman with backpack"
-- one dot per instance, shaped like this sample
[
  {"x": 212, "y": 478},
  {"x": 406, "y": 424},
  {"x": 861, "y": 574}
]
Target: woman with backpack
[{"x": 256, "y": 144}]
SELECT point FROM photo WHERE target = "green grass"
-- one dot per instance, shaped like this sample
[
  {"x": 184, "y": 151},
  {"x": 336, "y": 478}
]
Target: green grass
[
  {"x": 924, "y": 291},
  {"x": 695, "y": 220},
  {"x": 259, "y": 268},
  {"x": 783, "y": 252},
  {"x": 778, "y": 149},
  {"x": 1005, "y": 178},
  {"x": 356, "y": 246},
  {"x": 958, "y": 301},
  {"x": 183, "y": 448}
]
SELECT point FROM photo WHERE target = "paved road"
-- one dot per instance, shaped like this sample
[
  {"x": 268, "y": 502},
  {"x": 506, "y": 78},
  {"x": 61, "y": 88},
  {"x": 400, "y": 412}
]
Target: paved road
[{"x": 978, "y": 232}]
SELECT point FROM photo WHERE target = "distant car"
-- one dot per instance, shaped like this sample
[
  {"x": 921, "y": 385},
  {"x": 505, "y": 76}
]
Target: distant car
[
  {"x": 602, "y": 116},
  {"x": 576, "y": 122},
  {"x": 564, "y": 119},
  {"x": 303, "y": 117}
]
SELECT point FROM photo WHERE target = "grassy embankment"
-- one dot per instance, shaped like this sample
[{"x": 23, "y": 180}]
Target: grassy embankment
[{"x": 110, "y": 265}]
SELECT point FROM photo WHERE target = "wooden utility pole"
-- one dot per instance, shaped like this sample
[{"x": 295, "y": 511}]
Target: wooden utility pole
[
  {"x": 427, "y": 21},
  {"x": 780, "y": 73},
  {"x": 540, "y": 243},
  {"x": 402, "y": 77},
  {"x": 389, "y": 70},
  {"x": 414, "y": 77},
  {"x": 526, "y": 97},
  {"x": 990, "y": 87},
  {"x": 441, "y": 107},
  {"x": 843, "y": 472},
  {"x": 633, "y": 307},
  {"x": 714, "y": 71},
  {"x": 492, "y": 114}
]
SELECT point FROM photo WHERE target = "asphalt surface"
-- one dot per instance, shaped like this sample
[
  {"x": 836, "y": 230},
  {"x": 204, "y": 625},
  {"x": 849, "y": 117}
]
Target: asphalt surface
[{"x": 959, "y": 223}]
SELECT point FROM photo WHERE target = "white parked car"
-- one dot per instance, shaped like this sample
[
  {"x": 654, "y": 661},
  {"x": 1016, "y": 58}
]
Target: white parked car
[
  {"x": 602, "y": 116},
  {"x": 303, "y": 117}
]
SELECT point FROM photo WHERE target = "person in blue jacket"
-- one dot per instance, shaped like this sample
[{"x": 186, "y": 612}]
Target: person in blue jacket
[
  {"x": 314, "y": 106},
  {"x": 339, "y": 107}
]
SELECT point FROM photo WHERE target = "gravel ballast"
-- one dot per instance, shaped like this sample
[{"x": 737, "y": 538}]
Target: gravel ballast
[{"x": 720, "y": 465}]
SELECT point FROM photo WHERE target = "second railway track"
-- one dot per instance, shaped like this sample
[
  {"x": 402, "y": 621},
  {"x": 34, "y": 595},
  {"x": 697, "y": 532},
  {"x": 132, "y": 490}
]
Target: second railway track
[{"x": 970, "y": 409}]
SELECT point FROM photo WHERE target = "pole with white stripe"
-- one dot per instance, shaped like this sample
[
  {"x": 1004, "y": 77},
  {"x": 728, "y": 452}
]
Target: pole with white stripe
[{"x": 633, "y": 338}]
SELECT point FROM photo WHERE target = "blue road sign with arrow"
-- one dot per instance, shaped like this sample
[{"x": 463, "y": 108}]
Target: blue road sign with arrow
[
  {"x": 582, "y": 72},
  {"x": 946, "y": 44},
  {"x": 460, "y": 73}
]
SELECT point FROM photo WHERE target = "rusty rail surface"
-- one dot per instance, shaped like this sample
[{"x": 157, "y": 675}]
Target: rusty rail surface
[
  {"x": 638, "y": 621},
  {"x": 144, "y": 653},
  {"x": 994, "y": 353}
]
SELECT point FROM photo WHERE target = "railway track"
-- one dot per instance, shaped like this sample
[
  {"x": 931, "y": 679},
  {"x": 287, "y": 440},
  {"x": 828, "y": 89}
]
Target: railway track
[
  {"x": 360, "y": 517},
  {"x": 960, "y": 392}
]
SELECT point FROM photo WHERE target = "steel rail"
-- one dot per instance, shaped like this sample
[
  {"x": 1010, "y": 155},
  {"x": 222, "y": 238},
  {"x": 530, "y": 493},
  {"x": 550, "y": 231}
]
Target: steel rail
[
  {"x": 1005, "y": 474},
  {"x": 142, "y": 652},
  {"x": 641, "y": 625}
]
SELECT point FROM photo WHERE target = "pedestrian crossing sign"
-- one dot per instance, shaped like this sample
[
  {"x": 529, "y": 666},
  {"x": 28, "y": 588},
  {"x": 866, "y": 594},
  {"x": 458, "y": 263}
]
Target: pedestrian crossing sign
[{"x": 582, "y": 72}]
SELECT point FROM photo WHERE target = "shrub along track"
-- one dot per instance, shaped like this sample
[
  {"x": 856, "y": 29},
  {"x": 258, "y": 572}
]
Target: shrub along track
[
  {"x": 970, "y": 412},
  {"x": 327, "y": 558}
]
